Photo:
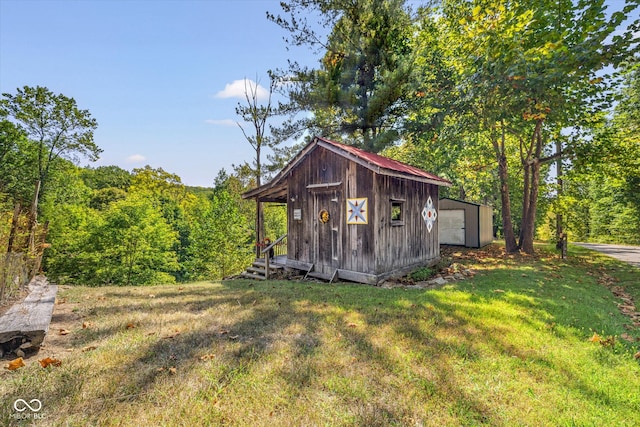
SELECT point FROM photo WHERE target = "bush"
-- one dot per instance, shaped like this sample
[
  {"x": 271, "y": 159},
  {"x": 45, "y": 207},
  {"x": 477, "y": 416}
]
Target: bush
[{"x": 422, "y": 274}]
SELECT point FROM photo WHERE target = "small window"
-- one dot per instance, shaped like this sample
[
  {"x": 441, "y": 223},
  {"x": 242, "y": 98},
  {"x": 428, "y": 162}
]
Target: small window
[{"x": 397, "y": 214}]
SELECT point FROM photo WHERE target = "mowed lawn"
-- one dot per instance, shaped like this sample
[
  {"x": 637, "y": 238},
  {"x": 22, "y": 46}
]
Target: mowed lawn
[{"x": 510, "y": 346}]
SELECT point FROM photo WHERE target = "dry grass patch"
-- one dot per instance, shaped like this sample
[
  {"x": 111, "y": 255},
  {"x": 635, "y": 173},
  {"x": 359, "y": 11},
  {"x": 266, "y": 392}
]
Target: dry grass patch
[{"x": 509, "y": 347}]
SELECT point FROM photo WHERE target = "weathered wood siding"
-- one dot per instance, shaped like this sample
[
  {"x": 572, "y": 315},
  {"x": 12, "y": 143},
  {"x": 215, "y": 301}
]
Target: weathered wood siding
[
  {"x": 325, "y": 180},
  {"x": 351, "y": 246},
  {"x": 359, "y": 245},
  {"x": 408, "y": 242}
]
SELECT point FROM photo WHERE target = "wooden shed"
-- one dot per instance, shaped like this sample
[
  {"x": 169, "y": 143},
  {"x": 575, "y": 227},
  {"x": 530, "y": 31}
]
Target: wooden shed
[
  {"x": 465, "y": 224},
  {"x": 355, "y": 215}
]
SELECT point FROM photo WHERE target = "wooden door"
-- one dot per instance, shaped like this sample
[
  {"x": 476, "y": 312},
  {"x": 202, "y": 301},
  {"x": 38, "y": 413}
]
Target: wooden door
[{"x": 327, "y": 230}]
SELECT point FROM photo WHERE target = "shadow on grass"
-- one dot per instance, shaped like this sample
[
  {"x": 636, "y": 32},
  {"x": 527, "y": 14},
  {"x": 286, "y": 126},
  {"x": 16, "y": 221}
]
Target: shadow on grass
[{"x": 433, "y": 337}]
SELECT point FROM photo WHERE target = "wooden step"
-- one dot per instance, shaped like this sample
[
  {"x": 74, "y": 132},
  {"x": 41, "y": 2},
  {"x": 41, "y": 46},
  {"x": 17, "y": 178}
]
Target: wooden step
[
  {"x": 251, "y": 276},
  {"x": 255, "y": 270},
  {"x": 261, "y": 264},
  {"x": 321, "y": 276}
]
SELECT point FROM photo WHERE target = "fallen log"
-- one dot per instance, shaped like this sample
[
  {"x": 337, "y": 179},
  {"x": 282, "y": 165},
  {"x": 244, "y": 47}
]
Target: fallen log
[{"x": 25, "y": 325}]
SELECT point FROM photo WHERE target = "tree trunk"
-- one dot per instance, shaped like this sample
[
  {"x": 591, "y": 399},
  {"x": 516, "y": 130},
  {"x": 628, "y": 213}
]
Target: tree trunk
[
  {"x": 529, "y": 227},
  {"x": 33, "y": 218},
  {"x": 509, "y": 236},
  {"x": 507, "y": 225},
  {"x": 531, "y": 164},
  {"x": 14, "y": 227},
  {"x": 559, "y": 219},
  {"x": 526, "y": 195}
]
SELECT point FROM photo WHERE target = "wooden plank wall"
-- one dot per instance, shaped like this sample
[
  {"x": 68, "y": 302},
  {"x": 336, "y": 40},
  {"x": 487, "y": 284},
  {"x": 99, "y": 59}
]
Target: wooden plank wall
[
  {"x": 410, "y": 243},
  {"x": 374, "y": 248}
]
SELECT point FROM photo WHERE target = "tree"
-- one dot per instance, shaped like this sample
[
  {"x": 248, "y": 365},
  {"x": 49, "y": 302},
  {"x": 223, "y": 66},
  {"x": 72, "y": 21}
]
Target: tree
[
  {"x": 55, "y": 124},
  {"x": 220, "y": 237},
  {"x": 15, "y": 156},
  {"x": 169, "y": 196},
  {"x": 529, "y": 71},
  {"x": 602, "y": 185},
  {"x": 359, "y": 92},
  {"x": 257, "y": 115}
]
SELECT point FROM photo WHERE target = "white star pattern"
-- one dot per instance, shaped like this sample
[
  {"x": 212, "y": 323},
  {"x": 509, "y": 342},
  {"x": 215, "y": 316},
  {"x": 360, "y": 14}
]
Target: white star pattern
[{"x": 429, "y": 214}]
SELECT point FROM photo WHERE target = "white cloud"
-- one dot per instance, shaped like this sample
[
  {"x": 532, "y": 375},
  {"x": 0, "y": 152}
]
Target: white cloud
[
  {"x": 223, "y": 122},
  {"x": 236, "y": 89},
  {"x": 136, "y": 158}
]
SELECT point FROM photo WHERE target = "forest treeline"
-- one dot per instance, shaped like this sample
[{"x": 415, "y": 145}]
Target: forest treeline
[
  {"x": 111, "y": 226},
  {"x": 532, "y": 107}
]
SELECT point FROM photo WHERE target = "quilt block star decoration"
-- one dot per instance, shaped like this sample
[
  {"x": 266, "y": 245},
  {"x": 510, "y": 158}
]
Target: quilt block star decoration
[
  {"x": 429, "y": 214},
  {"x": 357, "y": 211}
]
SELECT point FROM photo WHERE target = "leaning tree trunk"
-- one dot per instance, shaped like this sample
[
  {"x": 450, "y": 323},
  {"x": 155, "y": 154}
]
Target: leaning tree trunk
[
  {"x": 531, "y": 188},
  {"x": 509, "y": 236},
  {"x": 529, "y": 227},
  {"x": 507, "y": 225}
]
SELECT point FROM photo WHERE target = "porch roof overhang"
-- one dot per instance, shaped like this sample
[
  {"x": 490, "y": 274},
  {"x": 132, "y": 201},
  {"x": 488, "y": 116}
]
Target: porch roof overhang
[{"x": 270, "y": 192}]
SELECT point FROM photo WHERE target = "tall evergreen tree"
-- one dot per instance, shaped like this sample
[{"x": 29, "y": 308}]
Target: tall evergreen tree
[{"x": 358, "y": 93}]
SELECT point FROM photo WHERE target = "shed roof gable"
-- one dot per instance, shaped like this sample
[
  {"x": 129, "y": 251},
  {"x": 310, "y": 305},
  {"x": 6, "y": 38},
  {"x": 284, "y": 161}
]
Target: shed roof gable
[{"x": 275, "y": 190}]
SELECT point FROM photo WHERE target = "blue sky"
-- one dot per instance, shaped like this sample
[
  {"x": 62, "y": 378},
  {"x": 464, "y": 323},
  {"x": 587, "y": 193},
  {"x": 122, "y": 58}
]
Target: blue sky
[{"x": 153, "y": 73}]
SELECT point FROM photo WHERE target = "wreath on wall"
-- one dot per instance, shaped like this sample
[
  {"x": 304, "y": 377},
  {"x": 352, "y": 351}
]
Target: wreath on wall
[{"x": 323, "y": 216}]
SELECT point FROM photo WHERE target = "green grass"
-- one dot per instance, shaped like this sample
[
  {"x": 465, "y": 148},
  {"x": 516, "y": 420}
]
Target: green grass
[{"x": 508, "y": 347}]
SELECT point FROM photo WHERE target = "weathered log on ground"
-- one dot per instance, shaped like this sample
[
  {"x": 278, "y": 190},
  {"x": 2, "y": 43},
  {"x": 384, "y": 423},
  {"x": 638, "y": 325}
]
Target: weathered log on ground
[{"x": 25, "y": 325}]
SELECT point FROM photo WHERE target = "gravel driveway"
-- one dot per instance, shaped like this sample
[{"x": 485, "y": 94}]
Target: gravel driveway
[{"x": 629, "y": 254}]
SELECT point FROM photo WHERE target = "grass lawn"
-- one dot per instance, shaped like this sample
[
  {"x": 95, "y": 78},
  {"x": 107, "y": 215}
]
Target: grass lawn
[{"x": 510, "y": 346}]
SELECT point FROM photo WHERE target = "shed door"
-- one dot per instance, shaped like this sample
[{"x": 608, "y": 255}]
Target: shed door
[
  {"x": 327, "y": 231},
  {"x": 451, "y": 227}
]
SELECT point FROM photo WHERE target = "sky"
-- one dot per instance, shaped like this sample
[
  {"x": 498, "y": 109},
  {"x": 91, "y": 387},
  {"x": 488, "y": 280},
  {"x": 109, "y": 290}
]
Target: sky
[{"x": 162, "y": 78}]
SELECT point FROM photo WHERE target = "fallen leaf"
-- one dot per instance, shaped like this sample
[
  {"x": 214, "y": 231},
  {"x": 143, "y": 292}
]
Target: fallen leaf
[
  {"x": 152, "y": 296},
  {"x": 15, "y": 364},
  {"x": 234, "y": 337},
  {"x": 130, "y": 326},
  {"x": 208, "y": 357},
  {"x": 181, "y": 288},
  {"x": 352, "y": 325},
  {"x": 637, "y": 355},
  {"x": 627, "y": 337},
  {"x": 49, "y": 361},
  {"x": 61, "y": 301},
  {"x": 223, "y": 332},
  {"x": 175, "y": 334},
  {"x": 63, "y": 332},
  {"x": 595, "y": 338},
  {"x": 85, "y": 325},
  {"x": 89, "y": 348},
  {"x": 608, "y": 342},
  {"x": 160, "y": 369},
  {"x": 498, "y": 291},
  {"x": 173, "y": 370}
]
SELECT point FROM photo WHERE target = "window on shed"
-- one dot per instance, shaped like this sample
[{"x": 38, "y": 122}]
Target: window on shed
[{"x": 397, "y": 212}]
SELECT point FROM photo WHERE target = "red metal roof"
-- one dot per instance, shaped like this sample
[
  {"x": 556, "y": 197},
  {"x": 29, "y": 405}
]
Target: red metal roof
[{"x": 385, "y": 162}]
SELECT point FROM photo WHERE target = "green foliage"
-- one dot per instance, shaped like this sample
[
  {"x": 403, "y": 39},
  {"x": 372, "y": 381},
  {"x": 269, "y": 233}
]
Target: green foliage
[
  {"x": 220, "y": 240},
  {"x": 421, "y": 274},
  {"x": 54, "y": 124},
  {"x": 107, "y": 177},
  {"x": 134, "y": 243},
  {"x": 601, "y": 201},
  {"x": 358, "y": 93}
]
